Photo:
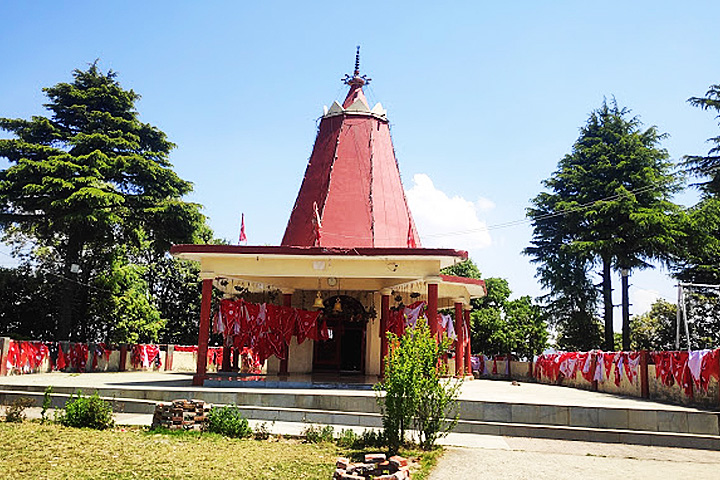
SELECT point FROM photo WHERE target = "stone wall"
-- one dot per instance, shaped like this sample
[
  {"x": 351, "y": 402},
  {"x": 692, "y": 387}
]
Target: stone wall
[{"x": 524, "y": 371}]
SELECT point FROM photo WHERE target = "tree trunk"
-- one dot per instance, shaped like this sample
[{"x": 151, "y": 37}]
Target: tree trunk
[
  {"x": 625, "y": 310},
  {"x": 607, "y": 302},
  {"x": 72, "y": 255}
]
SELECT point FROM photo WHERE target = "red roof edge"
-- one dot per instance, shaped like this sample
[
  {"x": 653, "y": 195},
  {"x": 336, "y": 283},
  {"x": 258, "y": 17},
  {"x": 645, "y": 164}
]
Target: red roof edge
[
  {"x": 295, "y": 250},
  {"x": 466, "y": 280}
]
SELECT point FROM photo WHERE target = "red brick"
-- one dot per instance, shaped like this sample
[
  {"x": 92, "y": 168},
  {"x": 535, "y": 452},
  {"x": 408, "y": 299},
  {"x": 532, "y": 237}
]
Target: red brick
[
  {"x": 375, "y": 457},
  {"x": 350, "y": 476},
  {"x": 398, "y": 461}
]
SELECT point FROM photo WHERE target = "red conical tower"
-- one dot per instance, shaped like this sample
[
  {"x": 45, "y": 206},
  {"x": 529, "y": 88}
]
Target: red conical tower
[{"x": 352, "y": 195}]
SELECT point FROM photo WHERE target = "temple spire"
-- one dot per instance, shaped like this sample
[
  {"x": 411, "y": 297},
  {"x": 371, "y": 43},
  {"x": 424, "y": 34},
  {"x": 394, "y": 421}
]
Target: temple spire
[
  {"x": 352, "y": 195},
  {"x": 356, "y": 80}
]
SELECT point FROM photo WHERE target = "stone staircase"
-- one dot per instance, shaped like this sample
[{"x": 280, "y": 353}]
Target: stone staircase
[{"x": 664, "y": 426}]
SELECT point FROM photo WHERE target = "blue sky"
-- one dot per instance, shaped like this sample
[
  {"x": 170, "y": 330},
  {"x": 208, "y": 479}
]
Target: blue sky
[{"x": 484, "y": 97}]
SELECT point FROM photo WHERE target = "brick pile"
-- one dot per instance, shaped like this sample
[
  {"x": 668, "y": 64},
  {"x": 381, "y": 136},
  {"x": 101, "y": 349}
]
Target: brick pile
[
  {"x": 181, "y": 414},
  {"x": 375, "y": 467}
]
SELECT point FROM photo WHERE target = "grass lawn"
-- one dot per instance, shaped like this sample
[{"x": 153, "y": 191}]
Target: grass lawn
[{"x": 33, "y": 450}]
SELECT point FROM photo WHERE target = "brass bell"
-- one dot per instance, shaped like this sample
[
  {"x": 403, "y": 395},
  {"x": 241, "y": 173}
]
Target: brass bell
[
  {"x": 337, "y": 308},
  {"x": 318, "y": 301}
]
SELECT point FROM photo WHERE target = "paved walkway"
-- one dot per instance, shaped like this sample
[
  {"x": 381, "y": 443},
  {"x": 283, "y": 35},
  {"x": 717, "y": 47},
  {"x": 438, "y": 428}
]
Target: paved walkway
[
  {"x": 481, "y": 390},
  {"x": 515, "y": 458}
]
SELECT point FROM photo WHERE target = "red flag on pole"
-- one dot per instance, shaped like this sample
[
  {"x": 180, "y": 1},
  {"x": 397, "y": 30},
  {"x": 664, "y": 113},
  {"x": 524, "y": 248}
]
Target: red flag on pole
[
  {"x": 411, "y": 243},
  {"x": 243, "y": 237}
]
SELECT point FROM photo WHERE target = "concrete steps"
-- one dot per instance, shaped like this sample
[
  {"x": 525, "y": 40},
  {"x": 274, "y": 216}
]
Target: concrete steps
[{"x": 642, "y": 426}]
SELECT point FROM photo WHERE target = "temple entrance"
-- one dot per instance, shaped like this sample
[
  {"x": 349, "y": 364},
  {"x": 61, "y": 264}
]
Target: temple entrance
[{"x": 344, "y": 351}]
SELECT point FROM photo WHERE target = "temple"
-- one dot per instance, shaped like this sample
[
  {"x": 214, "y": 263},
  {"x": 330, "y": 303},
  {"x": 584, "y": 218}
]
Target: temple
[{"x": 349, "y": 269}]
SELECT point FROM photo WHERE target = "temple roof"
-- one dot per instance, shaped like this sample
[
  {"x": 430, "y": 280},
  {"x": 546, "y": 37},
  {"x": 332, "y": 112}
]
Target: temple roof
[{"x": 352, "y": 194}]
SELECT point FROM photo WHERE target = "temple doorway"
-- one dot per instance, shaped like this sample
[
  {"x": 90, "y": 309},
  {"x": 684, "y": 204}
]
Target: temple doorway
[{"x": 344, "y": 351}]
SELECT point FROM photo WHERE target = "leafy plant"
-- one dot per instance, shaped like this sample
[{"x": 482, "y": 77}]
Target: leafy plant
[
  {"x": 347, "y": 438},
  {"x": 415, "y": 393},
  {"x": 261, "y": 431},
  {"x": 228, "y": 421},
  {"x": 46, "y": 404},
  {"x": 87, "y": 412},
  {"x": 15, "y": 412},
  {"x": 318, "y": 433},
  {"x": 371, "y": 439}
]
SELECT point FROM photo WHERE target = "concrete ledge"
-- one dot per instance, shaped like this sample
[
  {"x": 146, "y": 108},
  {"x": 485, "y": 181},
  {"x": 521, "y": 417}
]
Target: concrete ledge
[{"x": 664, "y": 439}]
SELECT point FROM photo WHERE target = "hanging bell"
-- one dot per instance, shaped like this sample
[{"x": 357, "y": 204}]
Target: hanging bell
[
  {"x": 337, "y": 308},
  {"x": 318, "y": 301}
]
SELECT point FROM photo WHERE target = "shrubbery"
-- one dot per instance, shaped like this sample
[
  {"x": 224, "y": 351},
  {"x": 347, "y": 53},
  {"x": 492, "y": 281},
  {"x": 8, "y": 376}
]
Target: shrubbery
[
  {"x": 15, "y": 412},
  {"x": 416, "y": 395},
  {"x": 319, "y": 434},
  {"x": 346, "y": 438},
  {"x": 87, "y": 412},
  {"x": 228, "y": 421}
]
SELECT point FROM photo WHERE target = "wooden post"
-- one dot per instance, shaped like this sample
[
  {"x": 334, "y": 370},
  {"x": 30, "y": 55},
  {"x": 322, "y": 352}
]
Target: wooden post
[
  {"x": 287, "y": 302},
  {"x": 531, "y": 373},
  {"x": 468, "y": 344},
  {"x": 227, "y": 354},
  {"x": 169, "y": 353},
  {"x": 236, "y": 354},
  {"x": 204, "y": 332},
  {"x": 460, "y": 342},
  {"x": 432, "y": 314},
  {"x": 4, "y": 349},
  {"x": 384, "y": 320},
  {"x": 593, "y": 368},
  {"x": 644, "y": 378},
  {"x": 122, "y": 364}
]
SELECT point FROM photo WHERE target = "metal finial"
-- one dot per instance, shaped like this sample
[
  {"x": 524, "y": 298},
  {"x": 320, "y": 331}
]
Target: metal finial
[
  {"x": 357, "y": 62},
  {"x": 356, "y": 80}
]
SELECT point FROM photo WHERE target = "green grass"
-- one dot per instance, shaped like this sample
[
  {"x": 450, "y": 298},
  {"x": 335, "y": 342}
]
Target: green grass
[
  {"x": 51, "y": 451},
  {"x": 32, "y": 450}
]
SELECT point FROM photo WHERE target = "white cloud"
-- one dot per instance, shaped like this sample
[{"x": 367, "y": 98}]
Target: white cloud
[
  {"x": 485, "y": 204},
  {"x": 445, "y": 221}
]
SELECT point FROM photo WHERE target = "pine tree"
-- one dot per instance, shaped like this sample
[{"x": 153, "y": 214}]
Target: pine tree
[
  {"x": 88, "y": 177},
  {"x": 608, "y": 205},
  {"x": 707, "y": 166}
]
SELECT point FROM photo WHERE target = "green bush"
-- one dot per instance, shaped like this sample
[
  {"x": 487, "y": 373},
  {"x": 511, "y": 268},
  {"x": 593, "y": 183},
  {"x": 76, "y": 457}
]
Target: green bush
[
  {"x": 371, "y": 439},
  {"x": 15, "y": 412},
  {"x": 415, "y": 392},
  {"x": 46, "y": 404},
  {"x": 228, "y": 421},
  {"x": 347, "y": 438},
  {"x": 319, "y": 434},
  {"x": 87, "y": 412},
  {"x": 262, "y": 431}
]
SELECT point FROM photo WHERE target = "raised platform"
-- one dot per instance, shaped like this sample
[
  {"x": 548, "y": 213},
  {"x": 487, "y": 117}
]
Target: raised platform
[{"x": 486, "y": 406}]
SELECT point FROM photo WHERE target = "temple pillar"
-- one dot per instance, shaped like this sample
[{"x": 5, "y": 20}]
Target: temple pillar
[
  {"x": 460, "y": 342},
  {"x": 468, "y": 348},
  {"x": 432, "y": 304},
  {"x": 384, "y": 322},
  {"x": 204, "y": 333},
  {"x": 227, "y": 353},
  {"x": 287, "y": 302}
]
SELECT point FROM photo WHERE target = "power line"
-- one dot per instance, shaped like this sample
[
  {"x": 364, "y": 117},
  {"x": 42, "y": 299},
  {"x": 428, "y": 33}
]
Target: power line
[{"x": 523, "y": 221}]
